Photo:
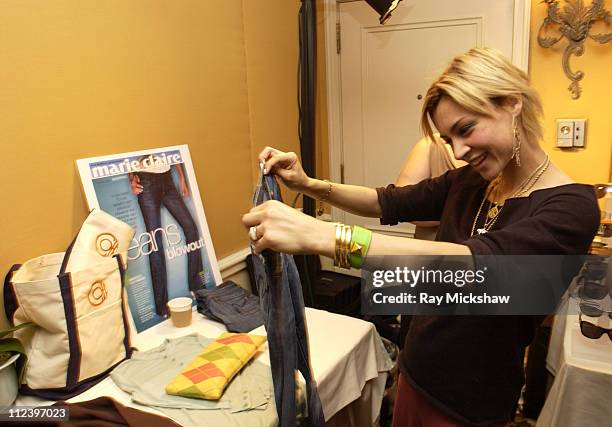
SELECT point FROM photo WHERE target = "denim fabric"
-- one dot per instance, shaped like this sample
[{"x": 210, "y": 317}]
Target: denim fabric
[
  {"x": 280, "y": 292},
  {"x": 158, "y": 190},
  {"x": 228, "y": 303}
]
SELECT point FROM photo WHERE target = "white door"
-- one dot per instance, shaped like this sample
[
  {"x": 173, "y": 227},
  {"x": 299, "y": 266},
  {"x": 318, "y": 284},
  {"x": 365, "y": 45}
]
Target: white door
[{"x": 385, "y": 70}]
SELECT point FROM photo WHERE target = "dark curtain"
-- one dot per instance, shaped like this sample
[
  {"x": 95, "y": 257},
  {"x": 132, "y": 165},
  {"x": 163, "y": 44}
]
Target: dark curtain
[{"x": 307, "y": 265}]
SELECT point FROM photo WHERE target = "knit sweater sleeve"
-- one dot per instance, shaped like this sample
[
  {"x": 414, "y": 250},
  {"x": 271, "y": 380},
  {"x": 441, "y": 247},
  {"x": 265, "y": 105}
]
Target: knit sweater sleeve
[{"x": 419, "y": 202}]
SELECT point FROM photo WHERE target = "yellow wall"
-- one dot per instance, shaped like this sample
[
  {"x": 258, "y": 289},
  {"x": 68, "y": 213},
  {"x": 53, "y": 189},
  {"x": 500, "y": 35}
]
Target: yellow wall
[
  {"x": 272, "y": 47},
  {"x": 592, "y": 164},
  {"x": 86, "y": 78}
]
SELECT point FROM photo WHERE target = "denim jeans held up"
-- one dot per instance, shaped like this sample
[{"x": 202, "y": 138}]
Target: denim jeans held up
[
  {"x": 280, "y": 292},
  {"x": 159, "y": 190}
]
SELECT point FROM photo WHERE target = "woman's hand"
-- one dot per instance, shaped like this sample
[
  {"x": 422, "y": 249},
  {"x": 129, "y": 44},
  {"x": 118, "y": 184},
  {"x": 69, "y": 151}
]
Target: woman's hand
[
  {"x": 284, "y": 229},
  {"x": 286, "y": 165},
  {"x": 184, "y": 188},
  {"x": 183, "y": 184},
  {"x": 135, "y": 184}
]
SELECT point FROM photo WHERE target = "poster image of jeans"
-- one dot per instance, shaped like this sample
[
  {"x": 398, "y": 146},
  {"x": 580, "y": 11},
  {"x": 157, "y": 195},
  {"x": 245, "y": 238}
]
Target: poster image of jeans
[{"x": 155, "y": 192}]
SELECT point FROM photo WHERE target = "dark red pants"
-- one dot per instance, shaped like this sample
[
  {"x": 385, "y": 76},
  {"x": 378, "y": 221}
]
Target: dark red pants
[{"x": 413, "y": 410}]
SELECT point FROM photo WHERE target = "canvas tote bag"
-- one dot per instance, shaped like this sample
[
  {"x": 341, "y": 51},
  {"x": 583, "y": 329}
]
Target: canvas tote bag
[{"x": 77, "y": 302}]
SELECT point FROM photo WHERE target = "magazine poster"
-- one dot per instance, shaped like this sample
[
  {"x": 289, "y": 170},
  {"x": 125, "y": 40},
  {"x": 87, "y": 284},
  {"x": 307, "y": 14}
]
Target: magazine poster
[{"x": 155, "y": 192}]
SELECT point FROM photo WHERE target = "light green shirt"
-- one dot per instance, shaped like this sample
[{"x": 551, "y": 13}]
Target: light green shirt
[{"x": 247, "y": 400}]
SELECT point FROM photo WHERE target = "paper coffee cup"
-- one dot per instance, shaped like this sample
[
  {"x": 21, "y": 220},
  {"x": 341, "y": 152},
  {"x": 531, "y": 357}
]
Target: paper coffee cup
[{"x": 180, "y": 311}]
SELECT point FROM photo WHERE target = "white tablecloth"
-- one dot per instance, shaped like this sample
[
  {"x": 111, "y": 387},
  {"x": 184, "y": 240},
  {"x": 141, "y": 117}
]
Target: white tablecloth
[
  {"x": 347, "y": 357},
  {"x": 581, "y": 394}
]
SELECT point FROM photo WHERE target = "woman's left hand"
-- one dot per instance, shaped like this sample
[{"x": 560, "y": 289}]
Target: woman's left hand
[
  {"x": 184, "y": 188},
  {"x": 284, "y": 229}
]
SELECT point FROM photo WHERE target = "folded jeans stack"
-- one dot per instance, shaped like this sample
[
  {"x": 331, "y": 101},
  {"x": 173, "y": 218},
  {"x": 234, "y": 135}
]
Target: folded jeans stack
[{"x": 232, "y": 305}]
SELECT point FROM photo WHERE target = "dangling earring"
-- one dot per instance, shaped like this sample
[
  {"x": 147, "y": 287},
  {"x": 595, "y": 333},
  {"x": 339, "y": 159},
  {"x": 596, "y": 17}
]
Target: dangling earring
[{"x": 516, "y": 142}]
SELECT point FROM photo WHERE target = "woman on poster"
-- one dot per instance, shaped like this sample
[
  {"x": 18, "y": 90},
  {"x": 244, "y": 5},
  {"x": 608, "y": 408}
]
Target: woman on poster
[{"x": 154, "y": 187}]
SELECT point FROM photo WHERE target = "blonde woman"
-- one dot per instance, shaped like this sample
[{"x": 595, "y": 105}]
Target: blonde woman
[{"x": 509, "y": 199}]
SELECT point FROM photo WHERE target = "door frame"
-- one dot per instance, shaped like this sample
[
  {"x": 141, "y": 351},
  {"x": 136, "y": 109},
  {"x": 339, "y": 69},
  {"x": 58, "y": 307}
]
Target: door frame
[{"x": 520, "y": 57}]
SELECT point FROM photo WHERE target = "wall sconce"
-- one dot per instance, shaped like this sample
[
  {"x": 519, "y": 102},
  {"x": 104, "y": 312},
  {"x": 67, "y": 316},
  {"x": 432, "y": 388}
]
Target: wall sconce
[
  {"x": 384, "y": 8},
  {"x": 574, "y": 23}
]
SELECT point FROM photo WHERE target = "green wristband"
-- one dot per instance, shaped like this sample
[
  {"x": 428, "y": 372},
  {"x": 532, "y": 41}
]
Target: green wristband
[{"x": 359, "y": 246}]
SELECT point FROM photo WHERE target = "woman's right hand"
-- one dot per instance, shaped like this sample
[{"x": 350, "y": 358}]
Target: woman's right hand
[
  {"x": 274, "y": 225},
  {"x": 286, "y": 165},
  {"x": 135, "y": 184}
]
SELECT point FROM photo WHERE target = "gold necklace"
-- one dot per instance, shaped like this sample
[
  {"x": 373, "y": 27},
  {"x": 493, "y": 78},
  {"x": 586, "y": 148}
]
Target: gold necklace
[
  {"x": 494, "y": 207},
  {"x": 492, "y": 213},
  {"x": 495, "y": 210},
  {"x": 533, "y": 178}
]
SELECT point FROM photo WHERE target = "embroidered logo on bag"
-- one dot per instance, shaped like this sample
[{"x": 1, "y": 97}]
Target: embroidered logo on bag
[
  {"x": 97, "y": 293},
  {"x": 106, "y": 244}
]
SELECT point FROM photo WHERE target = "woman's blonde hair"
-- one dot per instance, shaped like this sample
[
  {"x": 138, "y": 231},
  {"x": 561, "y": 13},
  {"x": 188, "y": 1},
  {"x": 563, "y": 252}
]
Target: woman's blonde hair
[{"x": 479, "y": 80}]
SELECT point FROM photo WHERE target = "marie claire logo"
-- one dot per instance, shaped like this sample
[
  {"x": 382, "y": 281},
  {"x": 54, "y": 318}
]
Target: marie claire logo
[
  {"x": 97, "y": 293},
  {"x": 106, "y": 244}
]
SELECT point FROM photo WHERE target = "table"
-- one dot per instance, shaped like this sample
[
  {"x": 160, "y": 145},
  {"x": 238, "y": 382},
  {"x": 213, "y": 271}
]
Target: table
[
  {"x": 348, "y": 361},
  {"x": 580, "y": 394}
]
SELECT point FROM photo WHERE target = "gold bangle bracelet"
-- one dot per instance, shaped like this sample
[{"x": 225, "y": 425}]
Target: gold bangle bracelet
[
  {"x": 340, "y": 244},
  {"x": 339, "y": 228},
  {"x": 342, "y": 250},
  {"x": 346, "y": 247}
]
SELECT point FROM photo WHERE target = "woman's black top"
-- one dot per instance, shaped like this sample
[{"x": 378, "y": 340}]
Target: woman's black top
[{"x": 471, "y": 367}]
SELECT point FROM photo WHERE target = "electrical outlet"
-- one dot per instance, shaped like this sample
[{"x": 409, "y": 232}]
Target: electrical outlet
[
  {"x": 571, "y": 133},
  {"x": 565, "y": 133},
  {"x": 579, "y": 132}
]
